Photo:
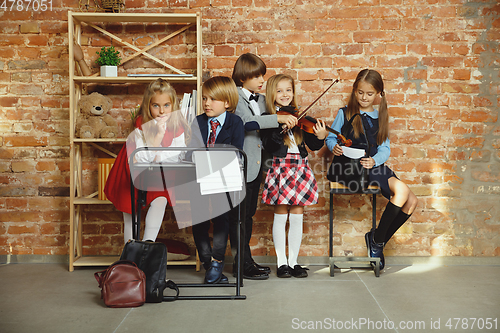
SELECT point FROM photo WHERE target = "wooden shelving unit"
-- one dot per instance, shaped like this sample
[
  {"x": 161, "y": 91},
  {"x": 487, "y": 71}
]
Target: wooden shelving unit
[{"x": 77, "y": 82}]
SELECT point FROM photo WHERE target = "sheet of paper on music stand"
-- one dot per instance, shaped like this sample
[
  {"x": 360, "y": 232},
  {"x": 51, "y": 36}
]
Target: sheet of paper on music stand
[
  {"x": 218, "y": 171},
  {"x": 353, "y": 153}
]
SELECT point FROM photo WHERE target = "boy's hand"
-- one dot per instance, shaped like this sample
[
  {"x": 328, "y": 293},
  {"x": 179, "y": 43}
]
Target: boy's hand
[{"x": 287, "y": 119}]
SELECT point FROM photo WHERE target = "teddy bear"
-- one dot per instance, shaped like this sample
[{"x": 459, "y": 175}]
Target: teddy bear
[{"x": 94, "y": 120}]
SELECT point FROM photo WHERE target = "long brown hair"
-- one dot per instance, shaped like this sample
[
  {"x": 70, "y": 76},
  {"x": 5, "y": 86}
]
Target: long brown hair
[
  {"x": 176, "y": 119},
  {"x": 271, "y": 92},
  {"x": 372, "y": 77}
]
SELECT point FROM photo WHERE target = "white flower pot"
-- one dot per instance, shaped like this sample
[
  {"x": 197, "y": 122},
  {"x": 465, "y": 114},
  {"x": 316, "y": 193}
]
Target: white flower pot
[{"x": 109, "y": 71}]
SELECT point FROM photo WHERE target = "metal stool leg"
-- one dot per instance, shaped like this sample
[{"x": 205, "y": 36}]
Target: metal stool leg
[{"x": 330, "y": 250}]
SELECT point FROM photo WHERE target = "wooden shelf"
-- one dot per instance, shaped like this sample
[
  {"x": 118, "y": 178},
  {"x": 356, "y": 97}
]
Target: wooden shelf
[
  {"x": 90, "y": 201},
  {"x": 78, "y": 22},
  {"x": 117, "y": 140},
  {"x": 108, "y": 260},
  {"x": 134, "y": 79},
  {"x": 139, "y": 17}
]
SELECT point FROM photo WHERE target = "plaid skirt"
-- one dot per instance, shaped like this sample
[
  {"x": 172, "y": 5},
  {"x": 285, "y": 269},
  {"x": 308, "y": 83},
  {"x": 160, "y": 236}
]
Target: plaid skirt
[{"x": 290, "y": 181}]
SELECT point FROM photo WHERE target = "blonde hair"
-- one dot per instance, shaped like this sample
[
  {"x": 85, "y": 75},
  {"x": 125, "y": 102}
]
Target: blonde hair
[
  {"x": 222, "y": 88},
  {"x": 373, "y": 78},
  {"x": 176, "y": 119},
  {"x": 247, "y": 67},
  {"x": 271, "y": 92}
]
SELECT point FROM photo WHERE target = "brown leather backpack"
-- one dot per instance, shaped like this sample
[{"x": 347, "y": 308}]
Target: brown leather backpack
[{"x": 122, "y": 284}]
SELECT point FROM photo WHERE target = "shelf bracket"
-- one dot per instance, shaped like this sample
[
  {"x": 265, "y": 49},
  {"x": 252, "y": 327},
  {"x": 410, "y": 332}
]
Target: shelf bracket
[{"x": 110, "y": 153}]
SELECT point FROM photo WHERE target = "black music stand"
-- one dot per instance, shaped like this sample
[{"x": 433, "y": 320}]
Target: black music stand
[{"x": 187, "y": 167}]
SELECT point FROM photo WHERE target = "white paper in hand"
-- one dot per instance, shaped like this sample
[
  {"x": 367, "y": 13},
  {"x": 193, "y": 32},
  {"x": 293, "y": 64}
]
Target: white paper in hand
[{"x": 353, "y": 153}]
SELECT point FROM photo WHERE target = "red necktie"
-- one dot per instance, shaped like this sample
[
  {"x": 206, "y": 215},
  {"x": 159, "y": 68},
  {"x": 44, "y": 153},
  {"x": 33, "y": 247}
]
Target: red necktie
[{"x": 213, "y": 131}]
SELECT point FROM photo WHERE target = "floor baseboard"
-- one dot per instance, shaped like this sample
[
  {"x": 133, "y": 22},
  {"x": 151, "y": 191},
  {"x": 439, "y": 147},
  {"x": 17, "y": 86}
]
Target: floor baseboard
[{"x": 271, "y": 260}]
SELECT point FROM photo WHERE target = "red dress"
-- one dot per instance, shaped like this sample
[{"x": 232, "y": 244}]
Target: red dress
[{"x": 117, "y": 187}]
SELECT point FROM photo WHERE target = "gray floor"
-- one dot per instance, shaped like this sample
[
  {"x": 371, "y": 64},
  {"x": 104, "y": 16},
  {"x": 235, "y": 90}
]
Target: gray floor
[{"x": 417, "y": 297}]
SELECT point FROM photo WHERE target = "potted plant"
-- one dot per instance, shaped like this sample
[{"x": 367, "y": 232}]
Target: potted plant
[{"x": 108, "y": 59}]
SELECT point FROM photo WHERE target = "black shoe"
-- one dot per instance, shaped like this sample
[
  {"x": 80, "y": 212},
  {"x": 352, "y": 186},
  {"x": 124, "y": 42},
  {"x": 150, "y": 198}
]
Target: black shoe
[
  {"x": 251, "y": 272},
  {"x": 262, "y": 268},
  {"x": 223, "y": 279},
  {"x": 375, "y": 250},
  {"x": 284, "y": 271},
  {"x": 299, "y": 271}
]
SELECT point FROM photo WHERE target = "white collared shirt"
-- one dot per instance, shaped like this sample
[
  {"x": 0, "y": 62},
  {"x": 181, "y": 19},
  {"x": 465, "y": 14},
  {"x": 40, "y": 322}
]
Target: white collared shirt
[
  {"x": 253, "y": 104},
  {"x": 293, "y": 149},
  {"x": 221, "y": 119}
]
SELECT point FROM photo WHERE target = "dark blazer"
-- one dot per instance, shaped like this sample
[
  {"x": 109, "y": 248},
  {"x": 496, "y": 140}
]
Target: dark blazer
[
  {"x": 232, "y": 132},
  {"x": 274, "y": 144}
]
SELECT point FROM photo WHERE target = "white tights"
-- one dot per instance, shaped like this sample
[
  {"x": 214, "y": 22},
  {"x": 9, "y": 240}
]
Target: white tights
[
  {"x": 154, "y": 218},
  {"x": 294, "y": 238}
]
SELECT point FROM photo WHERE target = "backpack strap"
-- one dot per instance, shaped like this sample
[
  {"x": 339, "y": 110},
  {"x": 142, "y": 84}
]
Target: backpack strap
[{"x": 172, "y": 285}]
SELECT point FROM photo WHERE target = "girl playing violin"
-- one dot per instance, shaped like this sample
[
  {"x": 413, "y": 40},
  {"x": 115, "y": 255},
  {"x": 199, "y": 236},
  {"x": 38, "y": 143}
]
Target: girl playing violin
[
  {"x": 366, "y": 89},
  {"x": 290, "y": 184}
]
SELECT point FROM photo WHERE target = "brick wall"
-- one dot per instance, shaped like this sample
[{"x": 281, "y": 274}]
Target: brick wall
[{"x": 440, "y": 61}]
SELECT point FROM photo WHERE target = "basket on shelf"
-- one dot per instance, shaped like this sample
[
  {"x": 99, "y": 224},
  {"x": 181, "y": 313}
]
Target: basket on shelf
[{"x": 114, "y": 6}]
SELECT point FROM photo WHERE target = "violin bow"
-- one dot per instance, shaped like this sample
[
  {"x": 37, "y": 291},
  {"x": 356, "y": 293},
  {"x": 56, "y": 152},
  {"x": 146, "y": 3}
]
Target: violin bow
[{"x": 303, "y": 113}]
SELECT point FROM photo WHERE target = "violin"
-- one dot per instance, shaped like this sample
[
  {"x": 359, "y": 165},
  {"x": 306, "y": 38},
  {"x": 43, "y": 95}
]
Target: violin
[{"x": 306, "y": 123}]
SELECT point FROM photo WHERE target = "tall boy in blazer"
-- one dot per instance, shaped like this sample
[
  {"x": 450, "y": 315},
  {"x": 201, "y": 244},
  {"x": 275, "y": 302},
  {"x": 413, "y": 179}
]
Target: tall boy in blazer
[{"x": 248, "y": 74}]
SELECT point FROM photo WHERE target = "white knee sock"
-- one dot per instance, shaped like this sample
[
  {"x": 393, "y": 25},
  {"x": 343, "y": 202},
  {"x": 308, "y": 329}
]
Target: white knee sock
[
  {"x": 154, "y": 218},
  {"x": 127, "y": 227},
  {"x": 294, "y": 238},
  {"x": 279, "y": 238}
]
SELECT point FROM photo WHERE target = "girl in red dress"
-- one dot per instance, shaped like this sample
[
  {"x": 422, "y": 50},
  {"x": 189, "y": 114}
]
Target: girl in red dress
[{"x": 159, "y": 124}]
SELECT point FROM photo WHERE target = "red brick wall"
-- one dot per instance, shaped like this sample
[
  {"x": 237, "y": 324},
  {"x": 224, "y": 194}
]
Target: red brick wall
[{"x": 440, "y": 61}]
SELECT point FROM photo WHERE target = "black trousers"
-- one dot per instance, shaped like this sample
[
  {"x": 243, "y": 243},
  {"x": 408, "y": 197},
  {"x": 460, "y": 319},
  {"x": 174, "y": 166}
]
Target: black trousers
[
  {"x": 251, "y": 199},
  {"x": 202, "y": 239}
]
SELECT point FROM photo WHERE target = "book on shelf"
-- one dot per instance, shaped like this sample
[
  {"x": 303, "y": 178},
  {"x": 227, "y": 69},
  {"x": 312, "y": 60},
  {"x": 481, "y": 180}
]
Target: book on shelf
[
  {"x": 192, "y": 107},
  {"x": 188, "y": 106},
  {"x": 185, "y": 105}
]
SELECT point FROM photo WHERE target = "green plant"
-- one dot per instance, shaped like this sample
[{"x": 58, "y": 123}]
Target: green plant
[
  {"x": 135, "y": 112},
  {"x": 108, "y": 56}
]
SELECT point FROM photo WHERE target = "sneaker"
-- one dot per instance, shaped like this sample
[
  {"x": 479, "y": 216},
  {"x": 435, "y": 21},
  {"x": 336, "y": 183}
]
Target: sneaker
[{"x": 299, "y": 271}]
